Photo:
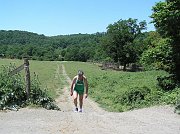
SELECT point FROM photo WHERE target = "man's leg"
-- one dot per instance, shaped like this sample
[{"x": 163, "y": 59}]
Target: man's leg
[
  {"x": 81, "y": 102},
  {"x": 75, "y": 96}
]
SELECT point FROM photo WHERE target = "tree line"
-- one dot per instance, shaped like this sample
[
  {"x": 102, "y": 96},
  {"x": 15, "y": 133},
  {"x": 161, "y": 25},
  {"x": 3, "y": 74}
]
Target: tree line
[{"x": 78, "y": 47}]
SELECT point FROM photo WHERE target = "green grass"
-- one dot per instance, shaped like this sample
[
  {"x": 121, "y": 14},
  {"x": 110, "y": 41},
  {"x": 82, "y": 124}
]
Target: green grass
[
  {"x": 8, "y": 61},
  {"x": 120, "y": 79},
  {"x": 121, "y": 91},
  {"x": 113, "y": 90},
  {"x": 47, "y": 71}
]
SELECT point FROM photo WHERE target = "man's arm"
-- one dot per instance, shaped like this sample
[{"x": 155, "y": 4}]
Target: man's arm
[
  {"x": 72, "y": 85},
  {"x": 86, "y": 86}
]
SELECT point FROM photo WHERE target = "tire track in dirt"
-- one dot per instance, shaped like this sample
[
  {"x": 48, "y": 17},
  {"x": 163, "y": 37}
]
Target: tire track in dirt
[{"x": 64, "y": 101}]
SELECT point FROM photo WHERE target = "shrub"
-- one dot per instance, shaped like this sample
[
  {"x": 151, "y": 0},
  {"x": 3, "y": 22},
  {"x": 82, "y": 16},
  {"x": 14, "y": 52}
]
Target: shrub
[
  {"x": 167, "y": 82},
  {"x": 177, "y": 108},
  {"x": 132, "y": 97}
]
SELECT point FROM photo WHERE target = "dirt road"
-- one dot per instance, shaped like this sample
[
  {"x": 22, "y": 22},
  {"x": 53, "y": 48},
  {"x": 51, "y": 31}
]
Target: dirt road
[{"x": 94, "y": 120}]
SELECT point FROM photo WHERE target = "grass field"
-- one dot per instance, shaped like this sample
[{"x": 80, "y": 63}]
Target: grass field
[
  {"x": 114, "y": 90},
  {"x": 47, "y": 72},
  {"x": 121, "y": 91}
]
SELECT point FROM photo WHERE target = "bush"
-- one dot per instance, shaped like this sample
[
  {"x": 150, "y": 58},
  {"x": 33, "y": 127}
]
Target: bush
[
  {"x": 13, "y": 95},
  {"x": 132, "y": 97},
  {"x": 167, "y": 82},
  {"x": 135, "y": 95},
  {"x": 177, "y": 108}
]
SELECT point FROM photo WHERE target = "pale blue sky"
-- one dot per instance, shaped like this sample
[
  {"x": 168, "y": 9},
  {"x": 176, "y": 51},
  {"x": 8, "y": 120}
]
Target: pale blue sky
[{"x": 59, "y": 17}]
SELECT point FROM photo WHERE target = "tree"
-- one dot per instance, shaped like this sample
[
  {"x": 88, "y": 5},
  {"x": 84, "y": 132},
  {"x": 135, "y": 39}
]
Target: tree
[
  {"x": 166, "y": 18},
  {"x": 119, "y": 41},
  {"x": 151, "y": 39},
  {"x": 158, "y": 57}
]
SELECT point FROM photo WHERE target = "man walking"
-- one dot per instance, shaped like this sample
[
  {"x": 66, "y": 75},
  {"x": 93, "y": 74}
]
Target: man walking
[{"x": 77, "y": 89}]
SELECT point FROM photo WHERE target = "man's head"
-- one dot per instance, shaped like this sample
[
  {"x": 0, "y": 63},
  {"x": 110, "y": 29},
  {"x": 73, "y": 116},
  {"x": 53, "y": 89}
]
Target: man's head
[{"x": 80, "y": 73}]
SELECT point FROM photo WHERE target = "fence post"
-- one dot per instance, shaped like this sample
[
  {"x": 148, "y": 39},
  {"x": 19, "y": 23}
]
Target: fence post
[{"x": 27, "y": 77}]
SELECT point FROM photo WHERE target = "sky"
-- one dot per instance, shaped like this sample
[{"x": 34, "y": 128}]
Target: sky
[{"x": 63, "y": 17}]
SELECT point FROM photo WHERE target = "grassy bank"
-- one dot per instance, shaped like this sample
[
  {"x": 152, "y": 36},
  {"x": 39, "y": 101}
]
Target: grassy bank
[{"x": 120, "y": 91}]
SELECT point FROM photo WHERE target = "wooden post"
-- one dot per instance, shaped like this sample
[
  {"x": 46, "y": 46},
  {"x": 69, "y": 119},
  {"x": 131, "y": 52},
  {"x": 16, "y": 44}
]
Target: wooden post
[{"x": 27, "y": 77}]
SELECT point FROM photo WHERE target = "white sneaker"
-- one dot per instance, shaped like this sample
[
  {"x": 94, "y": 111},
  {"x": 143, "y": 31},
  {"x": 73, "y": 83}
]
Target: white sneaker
[
  {"x": 80, "y": 110},
  {"x": 76, "y": 110}
]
